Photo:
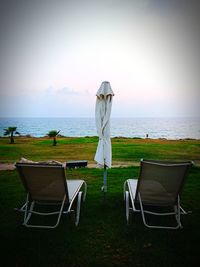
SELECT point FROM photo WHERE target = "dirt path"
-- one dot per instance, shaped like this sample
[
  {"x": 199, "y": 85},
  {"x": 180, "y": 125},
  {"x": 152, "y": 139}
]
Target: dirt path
[
  {"x": 11, "y": 166},
  {"x": 6, "y": 166}
]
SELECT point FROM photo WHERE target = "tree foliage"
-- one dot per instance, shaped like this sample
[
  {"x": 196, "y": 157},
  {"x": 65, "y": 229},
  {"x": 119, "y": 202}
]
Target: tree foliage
[
  {"x": 11, "y": 131},
  {"x": 53, "y": 134}
]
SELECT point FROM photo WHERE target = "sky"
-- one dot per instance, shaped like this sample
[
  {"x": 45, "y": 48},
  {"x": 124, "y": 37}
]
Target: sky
[{"x": 54, "y": 55}]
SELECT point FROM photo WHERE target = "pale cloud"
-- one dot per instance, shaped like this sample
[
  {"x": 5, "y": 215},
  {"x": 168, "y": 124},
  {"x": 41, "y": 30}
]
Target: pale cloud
[
  {"x": 57, "y": 54},
  {"x": 67, "y": 91}
]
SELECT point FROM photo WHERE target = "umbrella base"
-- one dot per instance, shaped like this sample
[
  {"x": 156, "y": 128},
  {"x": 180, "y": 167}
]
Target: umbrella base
[{"x": 104, "y": 189}]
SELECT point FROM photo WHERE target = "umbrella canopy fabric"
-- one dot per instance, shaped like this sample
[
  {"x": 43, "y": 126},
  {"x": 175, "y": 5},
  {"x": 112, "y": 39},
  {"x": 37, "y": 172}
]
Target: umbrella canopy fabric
[{"x": 103, "y": 155}]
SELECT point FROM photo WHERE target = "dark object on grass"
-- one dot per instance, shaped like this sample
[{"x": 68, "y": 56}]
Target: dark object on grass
[{"x": 76, "y": 164}]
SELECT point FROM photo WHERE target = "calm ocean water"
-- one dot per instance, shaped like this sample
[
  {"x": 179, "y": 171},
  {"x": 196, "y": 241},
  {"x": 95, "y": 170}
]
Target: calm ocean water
[{"x": 170, "y": 128}]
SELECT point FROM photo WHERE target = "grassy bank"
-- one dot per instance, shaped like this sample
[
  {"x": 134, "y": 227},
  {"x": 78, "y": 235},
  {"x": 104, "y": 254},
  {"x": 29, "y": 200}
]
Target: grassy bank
[
  {"x": 125, "y": 150},
  {"x": 102, "y": 237}
]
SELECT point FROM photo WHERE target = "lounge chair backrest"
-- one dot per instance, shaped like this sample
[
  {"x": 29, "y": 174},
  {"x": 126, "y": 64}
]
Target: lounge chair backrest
[
  {"x": 43, "y": 182},
  {"x": 160, "y": 183}
]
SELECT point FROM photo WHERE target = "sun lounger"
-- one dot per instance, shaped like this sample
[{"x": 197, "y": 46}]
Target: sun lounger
[
  {"x": 157, "y": 191},
  {"x": 46, "y": 186}
]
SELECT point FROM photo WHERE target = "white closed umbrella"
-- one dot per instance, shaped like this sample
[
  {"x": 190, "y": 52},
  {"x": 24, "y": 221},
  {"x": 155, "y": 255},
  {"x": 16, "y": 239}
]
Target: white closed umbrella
[{"x": 103, "y": 155}]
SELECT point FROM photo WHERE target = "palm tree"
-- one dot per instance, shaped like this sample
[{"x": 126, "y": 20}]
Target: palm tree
[
  {"x": 53, "y": 134},
  {"x": 11, "y": 131}
]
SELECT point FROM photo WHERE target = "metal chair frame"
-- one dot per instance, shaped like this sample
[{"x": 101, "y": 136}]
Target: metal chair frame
[
  {"x": 65, "y": 205},
  {"x": 130, "y": 201}
]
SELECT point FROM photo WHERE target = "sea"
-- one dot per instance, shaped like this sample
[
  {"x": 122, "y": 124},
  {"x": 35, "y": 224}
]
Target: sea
[{"x": 168, "y": 128}]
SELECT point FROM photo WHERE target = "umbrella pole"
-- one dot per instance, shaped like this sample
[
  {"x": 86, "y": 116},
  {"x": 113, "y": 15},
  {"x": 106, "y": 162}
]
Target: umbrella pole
[{"x": 105, "y": 181}]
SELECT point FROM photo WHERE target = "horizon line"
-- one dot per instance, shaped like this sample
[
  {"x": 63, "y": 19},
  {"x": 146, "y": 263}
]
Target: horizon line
[{"x": 93, "y": 117}]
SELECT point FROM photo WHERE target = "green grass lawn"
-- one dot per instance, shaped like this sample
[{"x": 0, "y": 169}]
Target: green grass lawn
[
  {"x": 127, "y": 150},
  {"x": 102, "y": 237}
]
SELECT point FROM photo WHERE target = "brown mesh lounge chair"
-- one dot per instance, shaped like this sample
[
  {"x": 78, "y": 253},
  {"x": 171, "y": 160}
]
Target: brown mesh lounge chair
[
  {"x": 157, "y": 191},
  {"x": 46, "y": 185}
]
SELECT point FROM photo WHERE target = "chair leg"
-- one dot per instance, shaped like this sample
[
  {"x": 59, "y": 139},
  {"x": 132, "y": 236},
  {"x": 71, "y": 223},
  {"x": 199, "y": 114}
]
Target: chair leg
[
  {"x": 78, "y": 208},
  {"x": 178, "y": 213},
  {"x": 127, "y": 199},
  {"x": 28, "y": 213},
  {"x": 125, "y": 187},
  {"x": 85, "y": 191},
  {"x": 142, "y": 212},
  {"x": 27, "y": 210}
]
